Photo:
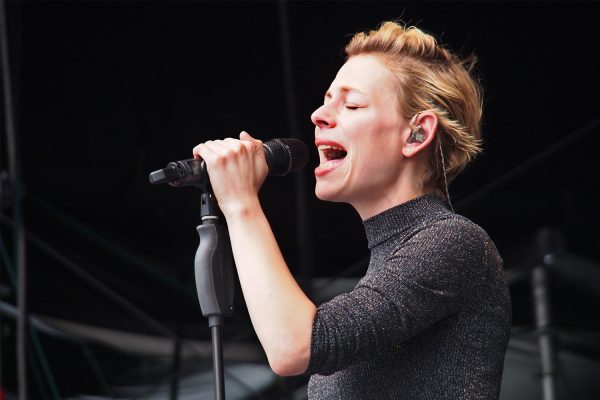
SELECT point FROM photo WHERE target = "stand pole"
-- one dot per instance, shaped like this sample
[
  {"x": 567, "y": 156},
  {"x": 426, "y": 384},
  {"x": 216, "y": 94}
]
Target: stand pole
[{"x": 217, "y": 353}]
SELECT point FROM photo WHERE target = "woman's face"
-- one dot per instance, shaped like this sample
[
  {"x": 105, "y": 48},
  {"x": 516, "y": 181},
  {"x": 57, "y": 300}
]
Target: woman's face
[{"x": 359, "y": 134}]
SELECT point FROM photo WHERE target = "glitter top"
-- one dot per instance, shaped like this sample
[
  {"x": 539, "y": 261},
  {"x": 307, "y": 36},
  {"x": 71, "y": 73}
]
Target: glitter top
[{"x": 429, "y": 320}]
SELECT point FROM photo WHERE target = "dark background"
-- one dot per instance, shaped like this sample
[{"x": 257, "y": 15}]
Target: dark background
[{"x": 106, "y": 92}]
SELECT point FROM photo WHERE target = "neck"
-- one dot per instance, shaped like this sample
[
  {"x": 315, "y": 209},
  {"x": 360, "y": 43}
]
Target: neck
[
  {"x": 407, "y": 186},
  {"x": 391, "y": 198}
]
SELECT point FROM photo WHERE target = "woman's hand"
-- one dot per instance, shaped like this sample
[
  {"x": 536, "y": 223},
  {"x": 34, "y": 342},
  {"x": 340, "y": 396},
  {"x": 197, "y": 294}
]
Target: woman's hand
[{"x": 237, "y": 170}]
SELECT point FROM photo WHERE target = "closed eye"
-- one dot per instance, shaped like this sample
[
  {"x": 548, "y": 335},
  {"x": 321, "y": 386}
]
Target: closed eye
[{"x": 352, "y": 107}]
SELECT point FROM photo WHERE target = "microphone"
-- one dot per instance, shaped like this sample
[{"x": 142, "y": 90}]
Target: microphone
[{"x": 283, "y": 157}]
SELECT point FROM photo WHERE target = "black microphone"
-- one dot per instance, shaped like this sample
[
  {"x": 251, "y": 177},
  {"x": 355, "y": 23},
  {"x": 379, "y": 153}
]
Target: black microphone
[{"x": 283, "y": 156}]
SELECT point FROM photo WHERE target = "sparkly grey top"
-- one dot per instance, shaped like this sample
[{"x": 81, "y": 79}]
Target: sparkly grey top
[{"x": 429, "y": 320}]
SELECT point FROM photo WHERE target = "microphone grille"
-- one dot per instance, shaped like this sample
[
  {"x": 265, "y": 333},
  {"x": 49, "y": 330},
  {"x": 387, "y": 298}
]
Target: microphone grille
[{"x": 285, "y": 155}]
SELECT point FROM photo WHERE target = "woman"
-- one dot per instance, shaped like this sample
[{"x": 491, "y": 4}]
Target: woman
[{"x": 431, "y": 317}]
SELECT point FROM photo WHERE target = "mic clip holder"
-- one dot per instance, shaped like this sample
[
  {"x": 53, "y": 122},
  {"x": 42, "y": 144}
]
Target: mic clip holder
[{"x": 213, "y": 263}]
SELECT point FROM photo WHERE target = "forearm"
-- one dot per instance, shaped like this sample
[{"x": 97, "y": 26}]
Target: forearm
[{"x": 282, "y": 315}]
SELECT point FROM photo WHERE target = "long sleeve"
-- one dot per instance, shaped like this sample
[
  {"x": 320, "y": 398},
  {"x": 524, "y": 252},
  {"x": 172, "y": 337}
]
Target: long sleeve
[{"x": 426, "y": 279}]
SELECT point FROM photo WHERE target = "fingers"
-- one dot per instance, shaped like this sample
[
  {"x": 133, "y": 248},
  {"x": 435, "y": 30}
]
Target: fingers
[
  {"x": 217, "y": 153},
  {"x": 213, "y": 149},
  {"x": 239, "y": 146},
  {"x": 220, "y": 152},
  {"x": 221, "y": 147}
]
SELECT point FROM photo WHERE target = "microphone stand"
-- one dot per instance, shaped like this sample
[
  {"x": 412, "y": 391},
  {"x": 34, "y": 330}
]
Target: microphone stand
[
  {"x": 213, "y": 264},
  {"x": 213, "y": 269}
]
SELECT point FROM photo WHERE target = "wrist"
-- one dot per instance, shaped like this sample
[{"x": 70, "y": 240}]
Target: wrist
[{"x": 240, "y": 210}]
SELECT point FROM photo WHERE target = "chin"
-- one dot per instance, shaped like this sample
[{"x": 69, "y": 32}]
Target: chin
[
  {"x": 327, "y": 194},
  {"x": 321, "y": 195}
]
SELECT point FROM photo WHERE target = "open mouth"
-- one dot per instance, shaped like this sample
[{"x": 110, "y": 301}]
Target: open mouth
[
  {"x": 332, "y": 156},
  {"x": 332, "y": 153}
]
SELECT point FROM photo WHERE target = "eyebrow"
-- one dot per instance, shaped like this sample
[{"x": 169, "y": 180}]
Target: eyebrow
[{"x": 345, "y": 89}]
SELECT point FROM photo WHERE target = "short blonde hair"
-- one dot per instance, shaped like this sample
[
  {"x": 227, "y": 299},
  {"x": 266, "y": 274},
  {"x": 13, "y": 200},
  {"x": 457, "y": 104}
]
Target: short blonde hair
[{"x": 431, "y": 78}]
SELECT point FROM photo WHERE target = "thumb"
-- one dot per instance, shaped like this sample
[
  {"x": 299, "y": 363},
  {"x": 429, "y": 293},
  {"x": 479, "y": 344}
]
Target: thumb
[{"x": 246, "y": 136}]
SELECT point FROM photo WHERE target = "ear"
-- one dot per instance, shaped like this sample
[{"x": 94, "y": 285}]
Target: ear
[{"x": 425, "y": 127}]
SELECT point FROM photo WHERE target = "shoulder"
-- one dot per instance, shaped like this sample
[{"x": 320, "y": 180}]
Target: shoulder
[
  {"x": 449, "y": 244},
  {"x": 452, "y": 232}
]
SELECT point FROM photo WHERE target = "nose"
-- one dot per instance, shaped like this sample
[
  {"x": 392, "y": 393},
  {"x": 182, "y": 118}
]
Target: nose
[{"x": 323, "y": 118}]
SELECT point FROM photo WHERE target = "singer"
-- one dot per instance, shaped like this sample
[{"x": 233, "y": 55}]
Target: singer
[{"x": 431, "y": 317}]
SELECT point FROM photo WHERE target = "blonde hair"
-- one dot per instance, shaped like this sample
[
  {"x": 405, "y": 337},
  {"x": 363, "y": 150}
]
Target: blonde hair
[{"x": 431, "y": 78}]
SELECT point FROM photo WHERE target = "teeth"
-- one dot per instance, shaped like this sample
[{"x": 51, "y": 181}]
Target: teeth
[
  {"x": 327, "y": 147},
  {"x": 327, "y": 164}
]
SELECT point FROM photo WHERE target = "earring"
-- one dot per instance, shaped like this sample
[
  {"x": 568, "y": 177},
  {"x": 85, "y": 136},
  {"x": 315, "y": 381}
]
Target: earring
[{"x": 417, "y": 135}]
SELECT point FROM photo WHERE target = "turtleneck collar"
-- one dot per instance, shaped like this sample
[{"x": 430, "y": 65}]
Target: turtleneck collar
[{"x": 395, "y": 220}]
